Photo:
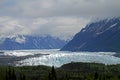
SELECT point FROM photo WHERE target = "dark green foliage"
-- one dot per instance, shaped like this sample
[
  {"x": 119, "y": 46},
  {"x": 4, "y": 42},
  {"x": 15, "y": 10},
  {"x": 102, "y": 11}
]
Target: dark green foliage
[
  {"x": 52, "y": 75},
  {"x": 89, "y": 71},
  {"x": 96, "y": 76},
  {"x": 10, "y": 74},
  {"x": 22, "y": 77},
  {"x": 71, "y": 71}
]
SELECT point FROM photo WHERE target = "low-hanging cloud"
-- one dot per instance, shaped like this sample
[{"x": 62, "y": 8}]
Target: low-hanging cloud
[
  {"x": 58, "y": 26},
  {"x": 60, "y": 18}
]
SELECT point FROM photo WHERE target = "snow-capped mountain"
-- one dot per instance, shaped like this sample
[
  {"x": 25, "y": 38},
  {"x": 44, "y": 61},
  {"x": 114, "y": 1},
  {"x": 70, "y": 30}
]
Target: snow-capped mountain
[
  {"x": 103, "y": 35},
  {"x": 31, "y": 42}
]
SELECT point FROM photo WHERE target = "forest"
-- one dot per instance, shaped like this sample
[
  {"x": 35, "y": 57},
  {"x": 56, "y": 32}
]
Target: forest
[{"x": 70, "y": 71}]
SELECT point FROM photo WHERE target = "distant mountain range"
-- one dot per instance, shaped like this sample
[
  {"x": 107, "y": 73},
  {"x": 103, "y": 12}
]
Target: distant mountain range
[
  {"x": 31, "y": 42},
  {"x": 103, "y": 35}
]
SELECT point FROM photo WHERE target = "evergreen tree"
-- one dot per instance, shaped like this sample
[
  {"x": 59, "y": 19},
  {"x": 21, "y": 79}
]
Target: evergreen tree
[
  {"x": 20, "y": 76},
  {"x": 52, "y": 75},
  {"x": 49, "y": 76},
  {"x": 24, "y": 78},
  {"x": 6, "y": 75},
  {"x": 96, "y": 76},
  {"x": 66, "y": 77},
  {"x": 118, "y": 76},
  {"x": 9, "y": 74},
  {"x": 53, "y": 72},
  {"x": 13, "y": 75}
]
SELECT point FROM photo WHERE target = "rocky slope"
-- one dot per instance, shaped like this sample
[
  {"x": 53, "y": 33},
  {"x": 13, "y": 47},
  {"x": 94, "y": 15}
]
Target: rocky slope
[{"x": 103, "y": 35}]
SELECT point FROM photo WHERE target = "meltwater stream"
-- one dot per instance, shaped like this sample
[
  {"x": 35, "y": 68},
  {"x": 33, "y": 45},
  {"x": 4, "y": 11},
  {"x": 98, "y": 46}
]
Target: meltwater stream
[{"x": 58, "y": 58}]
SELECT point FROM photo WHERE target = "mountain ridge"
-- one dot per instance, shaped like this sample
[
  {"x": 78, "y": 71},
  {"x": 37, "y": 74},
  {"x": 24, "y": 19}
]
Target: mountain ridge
[
  {"x": 31, "y": 42},
  {"x": 103, "y": 35}
]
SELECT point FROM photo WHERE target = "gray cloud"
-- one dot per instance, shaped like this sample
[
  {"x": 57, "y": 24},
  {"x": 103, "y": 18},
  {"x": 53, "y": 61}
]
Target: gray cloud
[
  {"x": 63, "y": 27},
  {"x": 61, "y": 18},
  {"x": 50, "y": 8}
]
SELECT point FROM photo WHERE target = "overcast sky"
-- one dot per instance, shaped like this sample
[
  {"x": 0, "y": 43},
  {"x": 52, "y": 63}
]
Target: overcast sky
[{"x": 60, "y": 18}]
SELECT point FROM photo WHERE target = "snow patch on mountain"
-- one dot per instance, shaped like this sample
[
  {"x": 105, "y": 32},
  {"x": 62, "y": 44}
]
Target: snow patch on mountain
[
  {"x": 20, "y": 40},
  {"x": 101, "y": 35},
  {"x": 113, "y": 25}
]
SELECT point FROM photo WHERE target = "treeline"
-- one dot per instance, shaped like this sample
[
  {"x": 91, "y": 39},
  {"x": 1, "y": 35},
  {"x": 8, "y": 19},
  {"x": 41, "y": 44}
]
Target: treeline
[
  {"x": 90, "y": 71},
  {"x": 10, "y": 74},
  {"x": 71, "y": 71},
  {"x": 24, "y": 73}
]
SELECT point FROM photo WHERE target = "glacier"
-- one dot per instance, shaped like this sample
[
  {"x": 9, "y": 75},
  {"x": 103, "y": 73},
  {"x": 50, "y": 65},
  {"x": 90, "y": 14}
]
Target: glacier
[{"x": 57, "y": 58}]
